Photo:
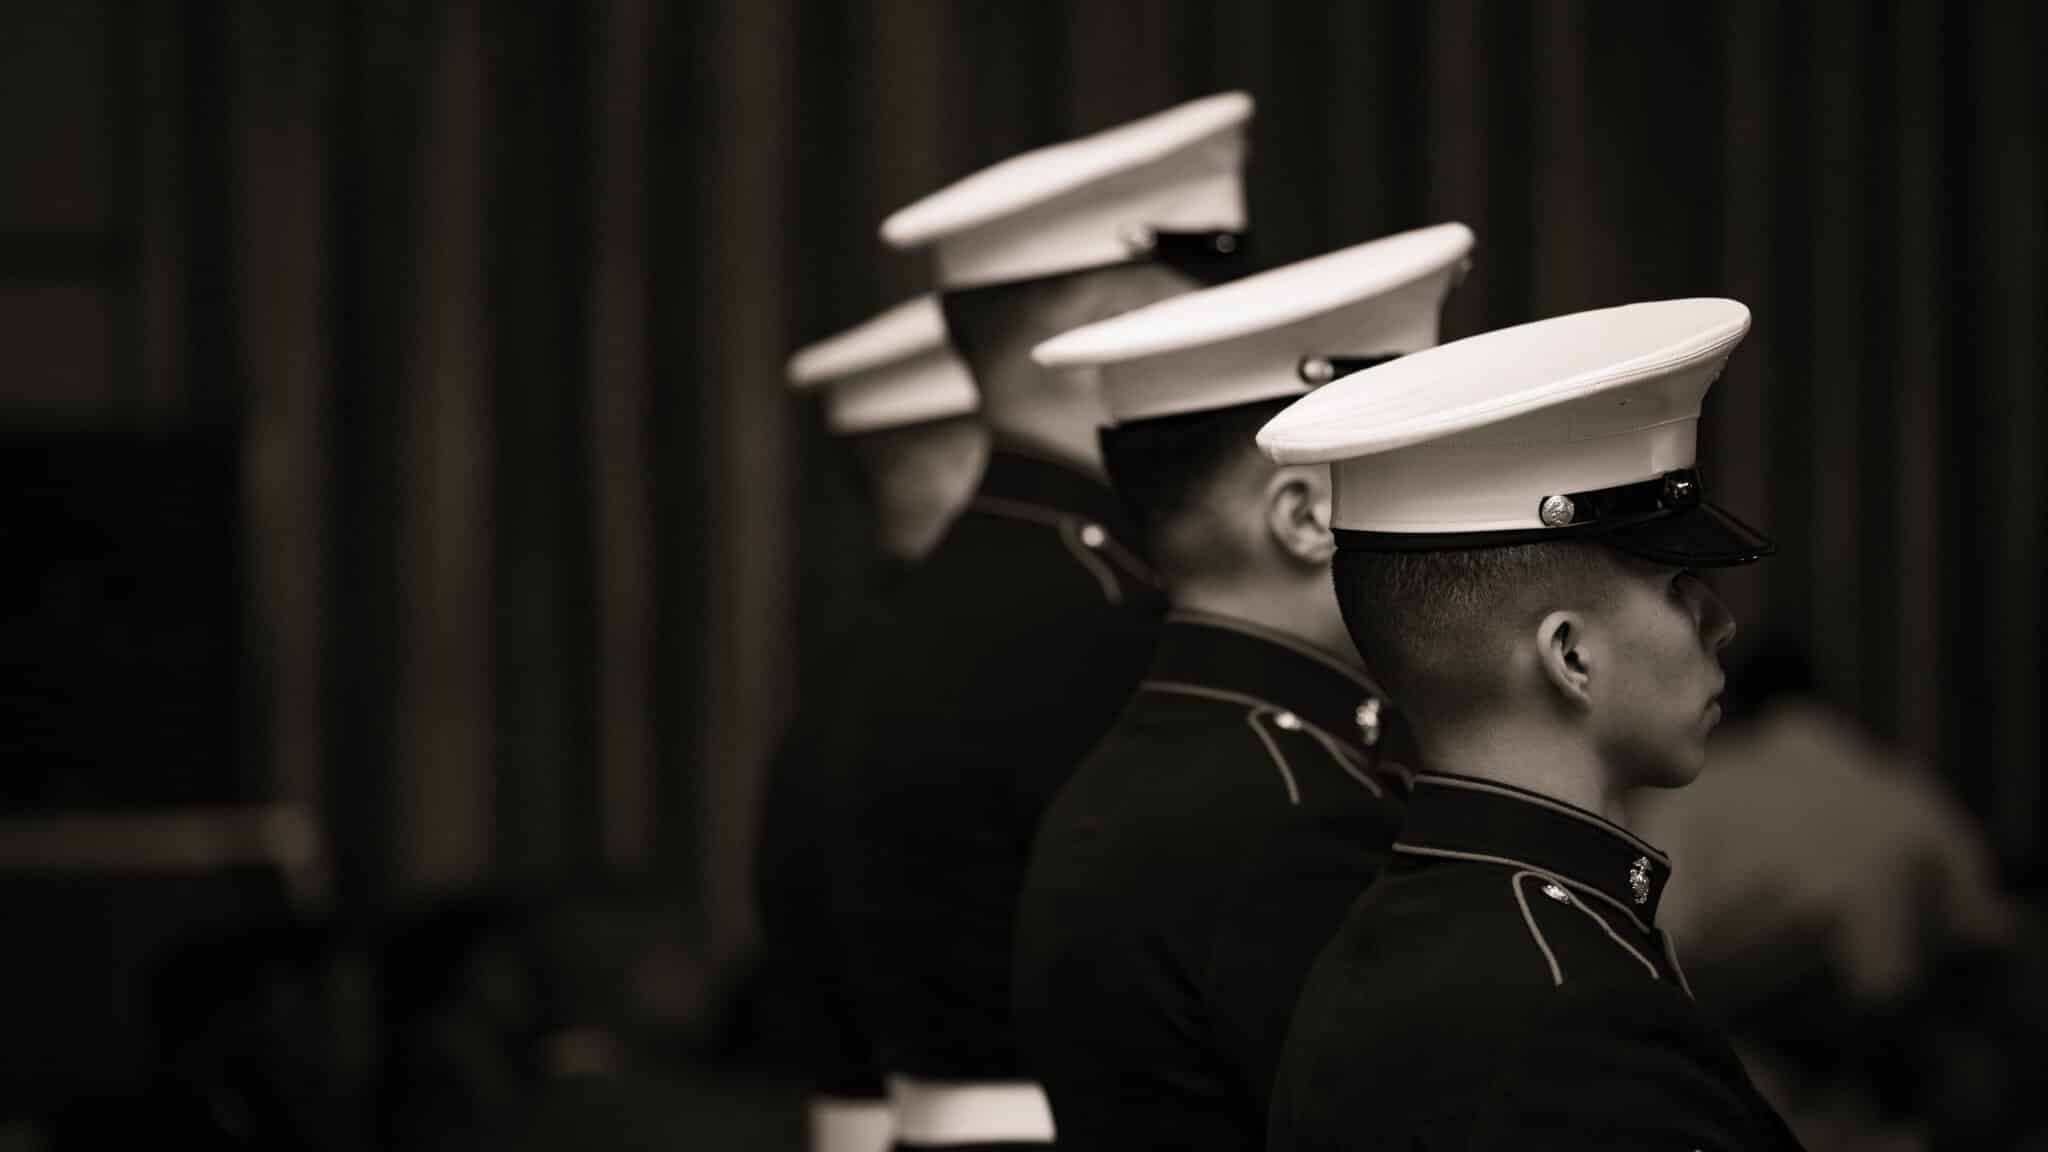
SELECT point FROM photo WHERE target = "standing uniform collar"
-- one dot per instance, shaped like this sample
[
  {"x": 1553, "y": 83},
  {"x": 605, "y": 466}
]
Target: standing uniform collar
[
  {"x": 1231, "y": 658},
  {"x": 1460, "y": 817},
  {"x": 1020, "y": 484}
]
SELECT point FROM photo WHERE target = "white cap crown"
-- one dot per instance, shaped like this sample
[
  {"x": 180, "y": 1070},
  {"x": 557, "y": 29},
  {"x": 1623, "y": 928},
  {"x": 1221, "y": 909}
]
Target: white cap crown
[
  {"x": 1258, "y": 338},
  {"x": 888, "y": 372},
  {"x": 1585, "y": 422},
  {"x": 1086, "y": 203}
]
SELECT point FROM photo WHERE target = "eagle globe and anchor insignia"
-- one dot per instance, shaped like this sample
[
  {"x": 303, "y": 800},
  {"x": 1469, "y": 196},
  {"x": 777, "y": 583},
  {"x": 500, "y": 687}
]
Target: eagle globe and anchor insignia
[{"x": 1639, "y": 879}]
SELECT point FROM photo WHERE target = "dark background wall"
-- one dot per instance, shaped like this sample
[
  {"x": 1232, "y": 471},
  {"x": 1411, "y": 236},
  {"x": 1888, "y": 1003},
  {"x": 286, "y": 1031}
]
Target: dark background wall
[{"x": 412, "y": 371}]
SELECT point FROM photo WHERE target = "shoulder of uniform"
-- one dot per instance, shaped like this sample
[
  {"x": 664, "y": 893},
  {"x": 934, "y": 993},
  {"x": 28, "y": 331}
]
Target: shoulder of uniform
[
  {"x": 1090, "y": 546},
  {"x": 1278, "y": 734},
  {"x": 1509, "y": 937},
  {"x": 1311, "y": 764},
  {"x": 1226, "y": 751},
  {"x": 1571, "y": 937}
]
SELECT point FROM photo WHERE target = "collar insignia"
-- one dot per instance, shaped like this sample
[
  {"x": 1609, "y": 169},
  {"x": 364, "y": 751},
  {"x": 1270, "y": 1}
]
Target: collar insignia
[{"x": 1639, "y": 879}]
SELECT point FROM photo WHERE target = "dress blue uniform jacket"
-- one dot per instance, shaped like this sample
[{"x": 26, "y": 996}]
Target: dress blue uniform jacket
[
  {"x": 1503, "y": 985},
  {"x": 1007, "y": 654},
  {"x": 804, "y": 955},
  {"x": 1185, "y": 879}
]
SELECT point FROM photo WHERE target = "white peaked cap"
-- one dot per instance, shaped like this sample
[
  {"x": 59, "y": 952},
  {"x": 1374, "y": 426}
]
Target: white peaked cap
[
  {"x": 1581, "y": 425},
  {"x": 1272, "y": 335},
  {"x": 1086, "y": 203},
  {"x": 894, "y": 370}
]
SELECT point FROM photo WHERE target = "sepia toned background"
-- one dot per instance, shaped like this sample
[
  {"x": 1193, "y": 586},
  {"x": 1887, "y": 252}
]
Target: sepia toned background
[{"x": 403, "y": 495}]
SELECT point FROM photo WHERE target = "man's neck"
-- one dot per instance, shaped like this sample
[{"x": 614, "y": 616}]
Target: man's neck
[
  {"x": 1290, "y": 616},
  {"x": 1052, "y": 440},
  {"x": 1535, "y": 758},
  {"x": 1059, "y": 419}
]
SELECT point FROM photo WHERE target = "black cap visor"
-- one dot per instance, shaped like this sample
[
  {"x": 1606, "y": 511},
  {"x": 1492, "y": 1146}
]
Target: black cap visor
[{"x": 1701, "y": 535}]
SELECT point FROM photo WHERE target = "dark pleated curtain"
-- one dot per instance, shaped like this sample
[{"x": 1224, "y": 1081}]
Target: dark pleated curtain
[{"x": 544, "y": 555}]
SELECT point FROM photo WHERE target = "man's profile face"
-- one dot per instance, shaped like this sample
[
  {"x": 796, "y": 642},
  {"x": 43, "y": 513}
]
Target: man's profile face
[{"x": 1657, "y": 687}]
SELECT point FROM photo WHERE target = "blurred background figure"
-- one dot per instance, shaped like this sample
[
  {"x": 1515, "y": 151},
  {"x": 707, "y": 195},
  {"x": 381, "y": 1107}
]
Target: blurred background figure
[
  {"x": 466, "y": 1013},
  {"x": 1844, "y": 916},
  {"x": 246, "y": 1051},
  {"x": 901, "y": 407},
  {"x": 1016, "y": 642}
]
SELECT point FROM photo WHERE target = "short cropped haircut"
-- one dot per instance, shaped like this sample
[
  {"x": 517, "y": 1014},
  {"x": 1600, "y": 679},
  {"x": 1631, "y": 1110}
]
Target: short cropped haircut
[
  {"x": 1165, "y": 468},
  {"x": 1435, "y": 628}
]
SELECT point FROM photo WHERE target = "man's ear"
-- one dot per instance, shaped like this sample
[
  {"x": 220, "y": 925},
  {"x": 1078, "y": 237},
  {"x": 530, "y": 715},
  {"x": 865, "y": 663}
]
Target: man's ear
[
  {"x": 1564, "y": 655},
  {"x": 1298, "y": 513}
]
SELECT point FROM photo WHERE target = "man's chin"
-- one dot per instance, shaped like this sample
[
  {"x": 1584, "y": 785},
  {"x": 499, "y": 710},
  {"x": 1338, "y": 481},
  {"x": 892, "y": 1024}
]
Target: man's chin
[
  {"x": 1674, "y": 761},
  {"x": 1678, "y": 771}
]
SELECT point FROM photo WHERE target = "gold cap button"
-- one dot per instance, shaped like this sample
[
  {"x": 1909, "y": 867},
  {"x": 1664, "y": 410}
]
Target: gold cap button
[{"x": 1316, "y": 370}]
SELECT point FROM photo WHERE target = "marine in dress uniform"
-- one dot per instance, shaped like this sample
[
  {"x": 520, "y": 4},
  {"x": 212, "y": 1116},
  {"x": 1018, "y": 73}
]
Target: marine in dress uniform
[
  {"x": 1187, "y": 875},
  {"x": 902, "y": 405},
  {"x": 1009, "y": 652},
  {"x": 1519, "y": 519}
]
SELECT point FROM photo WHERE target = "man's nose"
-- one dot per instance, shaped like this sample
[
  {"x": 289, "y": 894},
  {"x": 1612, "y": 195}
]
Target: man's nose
[{"x": 1717, "y": 623}]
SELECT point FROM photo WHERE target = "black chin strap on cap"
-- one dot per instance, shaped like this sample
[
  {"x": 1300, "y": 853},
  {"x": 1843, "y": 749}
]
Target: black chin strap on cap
[
  {"x": 1631, "y": 516},
  {"x": 1211, "y": 257},
  {"x": 1620, "y": 506}
]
